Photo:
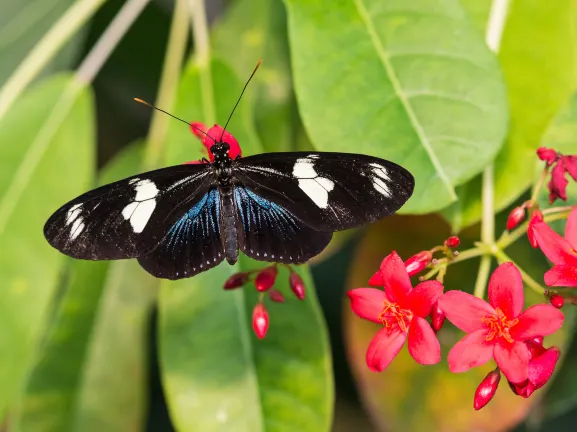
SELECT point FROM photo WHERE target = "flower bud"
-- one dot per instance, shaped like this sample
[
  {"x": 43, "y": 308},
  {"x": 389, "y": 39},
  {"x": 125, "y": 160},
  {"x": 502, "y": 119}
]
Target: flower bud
[
  {"x": 557, "y": 301},
  {"x": 547, "y": 154},
  {"x": 418, "y": 262},
  {"x": 236, "y": 281},
  {"x": 516, "y": 216},
  {"x": 437, "y": 317},
  {"x": 260, "y": 320},
  {"x": 276, "y": 296},
  {"x": 487, "y": 389},
  {"x": 452, "y": 242},
  {"x": 265, "y": 278},
  {"x": 297, "y": 285}
]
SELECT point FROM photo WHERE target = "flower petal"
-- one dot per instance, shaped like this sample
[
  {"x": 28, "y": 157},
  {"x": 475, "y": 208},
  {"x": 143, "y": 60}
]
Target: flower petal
[
  {"x": 541, "y": 368},
  {"x": 558, "y": 183},
  {"x": 384, "y": 348},
  {"x": 471, "y": 351},
  {"x": 464, "y": 310},
  {"x": 538, "y": 320},
  {"x": 367, "y": 303},
  {"x": 396, "y": 280},
  {"x": 506, "y": 290},
  {"x": 555, "y": 247},
  {"x": 423, "y": 343},
  {"x": 376, "y": 279},
  {"x": 513, "y": 360},
  {"x": 562, "y": 275},
  {"x": 424, "y": 296},
  {"x": 571, "y": 227},
  {"x": 214, "y": 134}
]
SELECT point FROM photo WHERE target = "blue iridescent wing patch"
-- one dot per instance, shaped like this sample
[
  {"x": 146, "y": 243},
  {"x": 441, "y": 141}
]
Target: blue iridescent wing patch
[
  {"x": 192, "y": 244},
  {"x": 269, "y": 232}
]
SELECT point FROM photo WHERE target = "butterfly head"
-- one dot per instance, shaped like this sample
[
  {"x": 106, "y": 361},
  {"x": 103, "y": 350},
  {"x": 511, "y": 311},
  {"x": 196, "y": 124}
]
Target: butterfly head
[{"x": 220, "y": 151}]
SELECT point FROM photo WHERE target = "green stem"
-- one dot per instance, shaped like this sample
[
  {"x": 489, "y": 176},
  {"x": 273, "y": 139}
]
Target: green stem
[
  {"x": 482, "y": 276},
  {"x": 45, "y": 50},
  {"x": 529, "y": 281},
  {"x": 509, "y": 238},
  {"x": 171, "y": 70},
  {"x": 539, "y": 184},
  {"x": 202, "y": 59},
  {"x": 487, "y": 230}
]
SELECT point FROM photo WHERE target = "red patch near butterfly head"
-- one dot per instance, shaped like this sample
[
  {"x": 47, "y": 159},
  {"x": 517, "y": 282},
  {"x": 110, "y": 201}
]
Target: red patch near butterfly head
[{"x": 213, "y": 135}]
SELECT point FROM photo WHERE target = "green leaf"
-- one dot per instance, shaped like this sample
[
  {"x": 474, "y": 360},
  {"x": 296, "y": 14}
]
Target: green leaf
[
  {"x": 216, "y": 374},
  {"x": 46, "y": 157},
  {"x": 538, "y": 57},
  {"x": 412, "y": 82},
  {"x": 22, "y": 24},
  {"x": 258, "y": 27},
  {"x": 52, "y": 393}
]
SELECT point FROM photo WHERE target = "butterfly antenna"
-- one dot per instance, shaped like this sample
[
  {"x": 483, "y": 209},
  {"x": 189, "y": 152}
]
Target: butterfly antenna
[
  {"x": 173, "y": 116},
  {"x": 240, "y": 97}
]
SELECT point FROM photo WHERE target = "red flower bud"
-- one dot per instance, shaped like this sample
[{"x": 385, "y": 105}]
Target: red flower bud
[
  {"x": 297, "y": 285},
  {"x": 516, "y": 216},
  {"x": 537, "y": 340},
  {"x": 260, "y": 320},
  {"x": 557, "y": 301},
  {"x": 236, "y": 281},
  {"x": 417, "y": 263},
  {"x": 487, "y": 389},
  {"x": 276, "y": 296},
  {"x": 265, "y": 279},
  {"x": 546, "y": 154},
  {"x": 452, "y": 242},
  {"x": 437, "y": 317},
  {"x": 536, "y": 217}
]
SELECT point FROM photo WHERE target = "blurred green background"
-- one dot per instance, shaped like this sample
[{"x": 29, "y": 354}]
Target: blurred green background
[{"x": 102, "y": 346}]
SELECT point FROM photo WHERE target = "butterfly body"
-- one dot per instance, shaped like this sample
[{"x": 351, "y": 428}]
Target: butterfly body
[{"x": 182, "y": 220}]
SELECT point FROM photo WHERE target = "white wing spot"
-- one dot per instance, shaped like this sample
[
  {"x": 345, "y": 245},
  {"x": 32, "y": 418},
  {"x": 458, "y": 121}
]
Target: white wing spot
[
  {"x": 381, "y": 187},
  {"x": 382, "y": 173},
  {"x": 317, "y": 188},
  {"x": 145, "y": 189},
  {"x": 134, "y": 180},
  {"x": 140, "y": 210},
  {"x": 313, "y": 156},
  {"x": 73, "y": 213},
  {"x": 77, "y": 228}
]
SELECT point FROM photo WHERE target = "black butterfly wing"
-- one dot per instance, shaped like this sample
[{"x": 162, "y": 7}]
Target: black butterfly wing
[
  {"x": 328, "y": 191},
  {"x": 269, "y": 232},
  {"x": 192, "y": 244},
  {"x": 128, "y": 218}
]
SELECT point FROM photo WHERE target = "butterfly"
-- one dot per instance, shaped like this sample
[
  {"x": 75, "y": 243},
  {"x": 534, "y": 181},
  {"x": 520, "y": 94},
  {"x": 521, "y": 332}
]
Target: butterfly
[{"x": 182, "y": 220}]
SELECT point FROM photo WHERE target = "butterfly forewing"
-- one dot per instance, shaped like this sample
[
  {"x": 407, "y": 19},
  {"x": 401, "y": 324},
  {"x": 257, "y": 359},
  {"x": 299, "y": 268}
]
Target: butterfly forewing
[
  {"x": 269, "y": 232},
  {"x": 128, "y": 218},
  {"x": 328, "y": 191}
]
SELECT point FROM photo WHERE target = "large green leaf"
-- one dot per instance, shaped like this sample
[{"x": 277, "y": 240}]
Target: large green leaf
[
  {"x": 412, "y": 82},
  {"x": 538, "y": 57},
  {"x": 258, "y": 27},
  {"x": 46, "y": 157},
  {"x": 22, "y": 24},
  {"x": 216, "y": 374},
  {"x": 52, "y": 394}
]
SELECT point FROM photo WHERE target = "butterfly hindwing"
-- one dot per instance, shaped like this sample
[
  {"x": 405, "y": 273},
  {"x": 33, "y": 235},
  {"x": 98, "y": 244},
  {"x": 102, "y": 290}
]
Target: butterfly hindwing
[
  {"x": 269, "y": 232},
  {"x": 192, "y": 244},
  {"x": 127, "y": 218},
  {"x": 328, "y": 191}
]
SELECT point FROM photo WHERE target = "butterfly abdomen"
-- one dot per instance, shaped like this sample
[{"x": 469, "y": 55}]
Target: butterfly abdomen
[{"x": 228, "y": 225}]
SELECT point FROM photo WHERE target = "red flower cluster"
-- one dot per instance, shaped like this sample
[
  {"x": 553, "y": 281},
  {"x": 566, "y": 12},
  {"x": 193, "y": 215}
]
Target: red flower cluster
[
  {"x": 561, "y": 165},
  {"x": 210, "y": 136},
  {"x": 402, "y": 311},
  {"x": 264, "y": 282},
  {"x": 498, "y": 329},
  {"x": 561, "y": 251}
]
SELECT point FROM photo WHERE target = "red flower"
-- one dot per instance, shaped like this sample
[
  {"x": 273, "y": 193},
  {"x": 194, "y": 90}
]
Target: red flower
[
  {"x": 561, "y": 164},
  {"x": 536, "y": 218},
  {"x": 542, "y": 364},
  {"x": 561, "y": 251},
  {"x": 415, "y": 264},
  {"x": 402, "y": 311},
  {"x": 211, "y": 136},
  {"x": 497, "y": 330}
]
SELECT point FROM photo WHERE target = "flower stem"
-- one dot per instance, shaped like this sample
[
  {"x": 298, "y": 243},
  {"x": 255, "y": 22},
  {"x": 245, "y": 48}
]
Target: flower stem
[
  {"x": 531, "y": 283},
  {"x": 109, "y": 40},
  {"x": 202, "y": 58},
  {"x": 539, "y": 184},
  {"x": 45, "y": 50},
  {"x": 171, "y": 70}
]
